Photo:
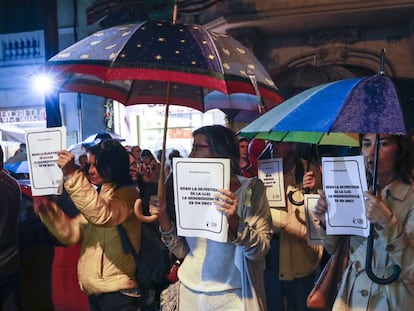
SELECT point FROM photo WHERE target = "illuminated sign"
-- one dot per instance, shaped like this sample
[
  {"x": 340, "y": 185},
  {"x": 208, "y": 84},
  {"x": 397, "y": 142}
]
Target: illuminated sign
[{"x": 23, "y": 115}]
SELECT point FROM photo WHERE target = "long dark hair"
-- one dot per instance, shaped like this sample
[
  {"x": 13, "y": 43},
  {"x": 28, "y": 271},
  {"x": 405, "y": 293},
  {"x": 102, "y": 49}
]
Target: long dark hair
[
  {"x": 404, "y": 159},
  {"x": 112, "y": 162},
  {"x": 223, "y": 143}
]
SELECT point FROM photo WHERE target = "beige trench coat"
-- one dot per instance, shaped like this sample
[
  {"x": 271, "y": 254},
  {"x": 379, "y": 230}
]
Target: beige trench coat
[{"x": 394, "y": 245}]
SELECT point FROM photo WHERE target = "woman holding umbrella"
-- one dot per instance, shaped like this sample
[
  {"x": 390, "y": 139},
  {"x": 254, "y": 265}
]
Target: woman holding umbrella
[{"x": 392, "y": 213}]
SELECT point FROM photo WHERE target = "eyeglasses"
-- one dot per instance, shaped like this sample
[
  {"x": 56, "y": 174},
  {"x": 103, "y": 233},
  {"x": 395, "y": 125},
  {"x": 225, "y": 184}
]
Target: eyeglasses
[{"x": 196, "y": 147}]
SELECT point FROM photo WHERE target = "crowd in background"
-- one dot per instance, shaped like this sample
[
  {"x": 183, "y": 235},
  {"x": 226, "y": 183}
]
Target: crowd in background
[{"x": 266, "y": 264}]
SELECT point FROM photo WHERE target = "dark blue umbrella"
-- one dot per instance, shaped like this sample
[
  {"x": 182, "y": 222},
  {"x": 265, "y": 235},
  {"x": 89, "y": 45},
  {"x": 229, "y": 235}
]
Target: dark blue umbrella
[
  {"x": 161, "y": 62},
  {"x": 160, "y": 52}
]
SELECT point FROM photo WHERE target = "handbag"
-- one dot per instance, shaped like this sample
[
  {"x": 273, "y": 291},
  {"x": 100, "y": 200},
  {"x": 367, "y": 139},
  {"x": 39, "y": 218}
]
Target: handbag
[
  {"x": 153, "y": 260},
  {"x": 327, "y": 285},
  {"x": 169, "y": 297}
]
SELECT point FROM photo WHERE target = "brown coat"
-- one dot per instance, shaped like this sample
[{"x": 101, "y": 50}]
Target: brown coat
[{"x": 297, "y": 258}]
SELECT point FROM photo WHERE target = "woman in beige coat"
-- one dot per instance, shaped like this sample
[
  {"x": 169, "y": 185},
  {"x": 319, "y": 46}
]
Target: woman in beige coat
[
  {"x": 392, "y": 213},
  {"x": 105, "y": 272}
]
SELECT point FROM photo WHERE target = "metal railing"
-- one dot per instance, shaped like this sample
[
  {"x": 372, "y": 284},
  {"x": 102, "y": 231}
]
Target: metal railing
[{"x": 22, "y": 48}]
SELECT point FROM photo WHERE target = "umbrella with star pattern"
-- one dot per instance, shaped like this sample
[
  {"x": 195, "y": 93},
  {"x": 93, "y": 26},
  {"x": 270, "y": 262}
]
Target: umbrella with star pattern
[
  {"x": 162, "y": 62},
  {"x": 183, "y": 54}
]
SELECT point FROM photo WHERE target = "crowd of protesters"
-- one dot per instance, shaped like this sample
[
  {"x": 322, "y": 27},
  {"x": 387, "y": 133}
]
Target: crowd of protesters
[{"x": 266, "y": 263}]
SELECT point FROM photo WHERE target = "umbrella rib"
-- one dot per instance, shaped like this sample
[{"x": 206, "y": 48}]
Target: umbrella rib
[
  {"x": 130, "y": 92},
  {"x": 215, "y": 49}
]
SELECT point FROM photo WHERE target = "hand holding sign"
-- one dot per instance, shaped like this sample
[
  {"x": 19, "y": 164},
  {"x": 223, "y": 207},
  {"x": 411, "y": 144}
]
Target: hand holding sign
[
  {"x": 43, "y": 147},
  {"x": 344, "y": 182}
]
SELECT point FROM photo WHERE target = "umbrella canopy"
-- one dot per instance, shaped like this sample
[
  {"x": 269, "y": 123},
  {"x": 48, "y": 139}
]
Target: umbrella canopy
[
  {"x": 167, "y": 62},
  {"x": 361, "y": 105},
  {"x": 165, "y": 52},
  {"x": 82, "y": 147},
  {"x": 17, "y": 167},
  {"x": 230, "y": 104},
  {"x": 374, "y": 104},
  {"x": 11, "y": 133},
  {"x": 98, "y": 137},
  {"x": 131, "y": 92},
  {"x": 17, "y": 164}
]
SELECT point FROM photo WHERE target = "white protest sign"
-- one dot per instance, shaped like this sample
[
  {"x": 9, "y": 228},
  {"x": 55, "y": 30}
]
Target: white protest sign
[
  {"x": 43, "y": 145},
  {"x": 270, "y": 172},
  {"x": 196, "y": 181},
  {"x": 344, "y": 182}
]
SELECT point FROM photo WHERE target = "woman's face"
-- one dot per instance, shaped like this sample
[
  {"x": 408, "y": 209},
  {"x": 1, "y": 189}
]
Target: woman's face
[
  {"x": 244, "y": 149},
  {"x": 95, "y": 178},
  {"x": 201, "y": 147},
  {"x": 133, "y": 168},
  {"x": 146, "y": 160},
  {"x": 388, "y": 149}
]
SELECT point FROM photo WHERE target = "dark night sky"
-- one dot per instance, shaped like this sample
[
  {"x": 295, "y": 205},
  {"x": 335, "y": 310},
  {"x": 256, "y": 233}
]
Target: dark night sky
[{"x": 22, "y": 15}]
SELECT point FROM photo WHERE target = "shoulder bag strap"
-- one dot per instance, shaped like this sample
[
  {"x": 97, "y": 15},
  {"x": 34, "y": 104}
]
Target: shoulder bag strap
[{"x": 126, "y": 243}]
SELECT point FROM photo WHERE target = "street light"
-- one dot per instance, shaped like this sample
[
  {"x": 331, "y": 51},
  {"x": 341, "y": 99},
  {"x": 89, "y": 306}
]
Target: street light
[{"x": 43, "y": 84}]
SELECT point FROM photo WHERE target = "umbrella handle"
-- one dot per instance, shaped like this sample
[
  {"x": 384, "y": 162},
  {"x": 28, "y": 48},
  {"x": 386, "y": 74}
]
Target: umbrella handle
[
  {"x": 368, "y": 263},
  {"x": 293, "y": 201},
  {"x": 305, "y": 190},
  {"x": 370, "y": 242}
]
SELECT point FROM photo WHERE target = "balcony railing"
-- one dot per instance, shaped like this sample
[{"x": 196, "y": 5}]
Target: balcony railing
[{"x": 23, "y": 48}]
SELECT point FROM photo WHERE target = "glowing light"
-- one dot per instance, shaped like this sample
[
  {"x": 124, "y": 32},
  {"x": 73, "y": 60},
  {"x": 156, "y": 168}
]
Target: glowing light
[{"x": 43, "y": 83}]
